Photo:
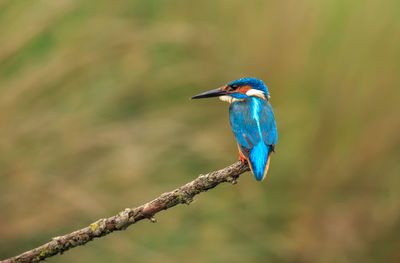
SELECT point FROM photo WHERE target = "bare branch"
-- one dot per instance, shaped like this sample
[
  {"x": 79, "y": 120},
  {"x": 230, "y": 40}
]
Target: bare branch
[{"x": 102, "y": 227}]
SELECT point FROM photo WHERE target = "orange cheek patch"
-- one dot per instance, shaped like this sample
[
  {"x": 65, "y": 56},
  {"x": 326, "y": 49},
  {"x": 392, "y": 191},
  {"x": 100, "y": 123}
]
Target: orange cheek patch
[{"x": 243, "y": 89}]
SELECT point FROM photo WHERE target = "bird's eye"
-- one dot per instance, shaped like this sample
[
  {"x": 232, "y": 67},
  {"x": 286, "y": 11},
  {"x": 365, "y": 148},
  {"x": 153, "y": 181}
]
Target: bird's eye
[{"x": 234, "y": 86}]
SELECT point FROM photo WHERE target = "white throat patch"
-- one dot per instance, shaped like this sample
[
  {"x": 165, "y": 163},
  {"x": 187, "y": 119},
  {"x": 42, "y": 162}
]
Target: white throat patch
[
  {"x": 228, "y": 99},
  {"x": 256, "y": 93}
]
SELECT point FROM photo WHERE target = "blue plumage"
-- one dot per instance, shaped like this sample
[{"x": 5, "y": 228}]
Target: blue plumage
[
  {"x": 253, "y": 124},
  {"x": 252, "y": 121}
]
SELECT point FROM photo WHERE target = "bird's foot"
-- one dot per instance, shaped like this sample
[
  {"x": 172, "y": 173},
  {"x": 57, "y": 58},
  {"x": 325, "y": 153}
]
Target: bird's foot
[{"x": 242, "y": 159}]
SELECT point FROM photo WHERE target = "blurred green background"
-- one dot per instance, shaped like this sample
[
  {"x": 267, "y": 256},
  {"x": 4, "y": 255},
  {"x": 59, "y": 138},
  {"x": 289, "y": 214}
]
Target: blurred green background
[{"x": 95, "y": 117}]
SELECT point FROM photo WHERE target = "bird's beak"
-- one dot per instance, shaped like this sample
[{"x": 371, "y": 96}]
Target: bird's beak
[{"x": 211, "y": 93}]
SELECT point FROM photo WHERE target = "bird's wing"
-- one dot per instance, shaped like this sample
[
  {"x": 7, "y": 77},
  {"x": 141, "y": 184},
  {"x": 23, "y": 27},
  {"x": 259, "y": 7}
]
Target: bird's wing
[
  {"x": 251, "y": 126},
  {"x": 268, "y": 125}
]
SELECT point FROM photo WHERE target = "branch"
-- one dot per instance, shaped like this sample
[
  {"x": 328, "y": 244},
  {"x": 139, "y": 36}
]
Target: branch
[{"x": 102, "y": 227}]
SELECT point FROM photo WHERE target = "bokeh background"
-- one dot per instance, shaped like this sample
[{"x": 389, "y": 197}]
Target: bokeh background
[{"x": 95, "y": 117}]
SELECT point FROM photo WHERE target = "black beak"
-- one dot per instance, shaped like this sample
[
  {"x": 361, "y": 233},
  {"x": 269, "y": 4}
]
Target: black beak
[{"x": 209, "y": 94}]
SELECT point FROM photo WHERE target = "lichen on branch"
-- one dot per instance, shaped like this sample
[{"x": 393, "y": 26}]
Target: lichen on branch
[{"x": 105, "y": 226}]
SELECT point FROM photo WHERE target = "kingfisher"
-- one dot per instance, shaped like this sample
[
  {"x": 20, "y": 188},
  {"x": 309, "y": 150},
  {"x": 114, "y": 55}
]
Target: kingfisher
[{"x": 252, "y": 121}]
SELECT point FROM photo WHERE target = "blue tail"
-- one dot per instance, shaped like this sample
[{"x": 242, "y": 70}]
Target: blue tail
[{"x": 259, "y": 160}]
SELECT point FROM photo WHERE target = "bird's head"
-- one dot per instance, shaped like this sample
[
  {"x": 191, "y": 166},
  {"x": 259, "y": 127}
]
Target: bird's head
[{"x": 238, "y": 90}]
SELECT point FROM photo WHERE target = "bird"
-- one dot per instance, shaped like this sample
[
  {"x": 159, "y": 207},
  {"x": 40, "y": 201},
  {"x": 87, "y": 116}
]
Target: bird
[{"x": 252, "y": 121}]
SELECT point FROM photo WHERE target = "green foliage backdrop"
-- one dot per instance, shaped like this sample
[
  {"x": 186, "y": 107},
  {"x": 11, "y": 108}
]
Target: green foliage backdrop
[{"x": 95, "y": 117}]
